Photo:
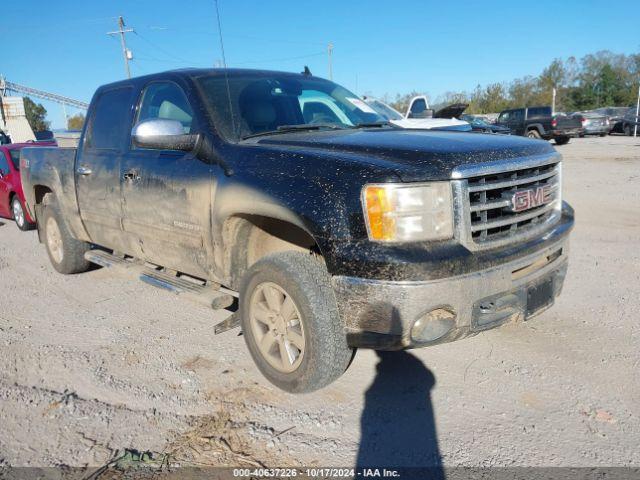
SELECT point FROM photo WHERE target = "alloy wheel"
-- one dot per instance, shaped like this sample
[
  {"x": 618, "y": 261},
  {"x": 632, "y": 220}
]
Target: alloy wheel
[
  {"x": 277, "y": 327},
  {"x": 18, "y": 213},
  {"x": 54, "y": 240}
]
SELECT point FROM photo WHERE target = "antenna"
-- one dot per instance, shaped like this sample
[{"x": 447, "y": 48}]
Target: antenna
[{"x": 226, "y": 73}]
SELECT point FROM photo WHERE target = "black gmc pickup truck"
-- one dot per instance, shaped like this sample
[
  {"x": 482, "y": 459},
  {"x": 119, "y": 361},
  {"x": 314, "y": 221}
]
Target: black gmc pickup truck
[
  {"x": 286, "y": 196},
  {"x": 541, "y": 122}
]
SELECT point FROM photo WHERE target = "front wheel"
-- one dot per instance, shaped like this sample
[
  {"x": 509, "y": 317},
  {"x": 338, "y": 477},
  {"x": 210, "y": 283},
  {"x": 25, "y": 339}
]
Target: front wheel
[
  {"x": 562, "y": 140},
  {"x": 291, "y": 324},
  {"x": 534, "y": 134},
  {"x": 17, "y": 210},
  {"x": 65, "y": 252}
]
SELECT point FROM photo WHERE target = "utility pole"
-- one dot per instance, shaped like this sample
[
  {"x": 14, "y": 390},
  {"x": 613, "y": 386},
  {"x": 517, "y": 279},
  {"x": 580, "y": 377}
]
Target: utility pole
[
  {"x": 635, "y": 128},
  {"x": 66, "y": 117},
  {"x": 126, "y": 53},
  {"x": 329, "y": 53}
]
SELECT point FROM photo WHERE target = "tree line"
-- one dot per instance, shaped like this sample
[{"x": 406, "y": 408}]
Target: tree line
[{"x": 601, "y": 79}]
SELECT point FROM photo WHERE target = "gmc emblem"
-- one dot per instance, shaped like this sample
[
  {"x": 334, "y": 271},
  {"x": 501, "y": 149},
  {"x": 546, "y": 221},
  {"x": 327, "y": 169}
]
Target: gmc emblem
[{"x": 529, "y": 198}]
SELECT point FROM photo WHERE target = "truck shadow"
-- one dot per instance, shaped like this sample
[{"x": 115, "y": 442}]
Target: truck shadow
[{"x": 397, "y": 424}]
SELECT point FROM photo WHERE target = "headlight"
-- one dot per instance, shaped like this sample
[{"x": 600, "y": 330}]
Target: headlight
[{"x": 408, "y": 212}]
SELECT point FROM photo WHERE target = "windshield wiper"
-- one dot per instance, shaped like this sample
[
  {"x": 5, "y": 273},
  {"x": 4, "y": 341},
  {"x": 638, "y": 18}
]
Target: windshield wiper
[
  {"x": 373, "y": 124},
  {"x": 296, "y": 128}
]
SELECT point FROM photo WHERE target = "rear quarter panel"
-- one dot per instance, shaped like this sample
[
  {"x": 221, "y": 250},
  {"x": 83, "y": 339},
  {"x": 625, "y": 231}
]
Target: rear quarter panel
[{"x": 53, "y": 168}]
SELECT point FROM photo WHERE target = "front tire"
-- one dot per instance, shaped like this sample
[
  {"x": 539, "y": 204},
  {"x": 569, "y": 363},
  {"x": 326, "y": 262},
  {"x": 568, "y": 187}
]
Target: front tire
[
  {"x": 19, "y": 216},
  {"x": 65, "y": 252},
  {"x": 291, "y": 324},
  {"x": 534, "y": 134}
]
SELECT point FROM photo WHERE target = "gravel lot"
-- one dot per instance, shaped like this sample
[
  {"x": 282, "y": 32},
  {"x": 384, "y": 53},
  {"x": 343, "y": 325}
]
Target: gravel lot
[{"x": 92, "y": 365}]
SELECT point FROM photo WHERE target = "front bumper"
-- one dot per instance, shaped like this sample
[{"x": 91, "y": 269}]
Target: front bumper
[{"x": 381, "y": 314}]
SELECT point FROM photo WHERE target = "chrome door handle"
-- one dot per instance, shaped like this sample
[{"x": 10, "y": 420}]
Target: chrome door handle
[{"x": 84, "y": 171}]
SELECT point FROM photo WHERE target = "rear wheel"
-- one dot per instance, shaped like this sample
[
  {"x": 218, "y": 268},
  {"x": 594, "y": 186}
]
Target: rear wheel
[
  {"x": 17, "y": 211},
  {"x": 562, "y": 140},
  {"x": 533, "y": 134},
  {"x": 291, "y": 324},
  {"x": 65, "y": 252},
  {"x": 628, "y": 131}
]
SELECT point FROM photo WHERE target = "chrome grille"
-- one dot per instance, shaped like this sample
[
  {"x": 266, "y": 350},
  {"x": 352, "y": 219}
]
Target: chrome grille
[
  {"x": 487, "y": 216},
  {"x": 489, "y": 203}
]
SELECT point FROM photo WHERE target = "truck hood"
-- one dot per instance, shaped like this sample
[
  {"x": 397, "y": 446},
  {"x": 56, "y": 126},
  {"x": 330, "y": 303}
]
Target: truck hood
[
  {"x": 412, "y": 155},
  {"x": 451, "y": 111},
  {"x": 429, "y": 123}
]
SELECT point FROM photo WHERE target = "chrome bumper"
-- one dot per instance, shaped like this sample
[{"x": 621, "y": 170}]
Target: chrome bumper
[{"x": 380, "y": 314}]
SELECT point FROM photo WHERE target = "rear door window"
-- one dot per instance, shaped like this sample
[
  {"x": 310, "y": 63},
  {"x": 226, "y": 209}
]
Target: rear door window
[{"x": 110, "y": 122}]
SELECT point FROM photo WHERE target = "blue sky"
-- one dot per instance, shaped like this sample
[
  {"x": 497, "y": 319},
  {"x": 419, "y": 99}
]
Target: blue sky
[{"x": 379, "y": 47}]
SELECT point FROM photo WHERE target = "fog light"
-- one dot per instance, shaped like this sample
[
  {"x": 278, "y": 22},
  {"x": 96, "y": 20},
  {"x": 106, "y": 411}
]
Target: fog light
[{"x": 432, "y": 326}]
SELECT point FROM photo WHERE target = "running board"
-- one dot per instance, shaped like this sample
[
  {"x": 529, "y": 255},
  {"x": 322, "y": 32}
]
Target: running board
[{"x": 207, "y": 295}]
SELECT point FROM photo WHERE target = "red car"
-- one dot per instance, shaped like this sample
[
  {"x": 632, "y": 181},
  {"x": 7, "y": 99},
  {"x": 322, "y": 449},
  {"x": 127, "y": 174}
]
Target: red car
[{"x": 11, "y": 195}]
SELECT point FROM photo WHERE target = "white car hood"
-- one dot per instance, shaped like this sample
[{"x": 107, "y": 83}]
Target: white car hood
[{"x": 428, "y": 123}]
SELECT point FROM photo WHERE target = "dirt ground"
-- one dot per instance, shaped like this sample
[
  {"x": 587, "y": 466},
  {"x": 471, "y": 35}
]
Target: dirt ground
[{"x": 91, "y": 365}]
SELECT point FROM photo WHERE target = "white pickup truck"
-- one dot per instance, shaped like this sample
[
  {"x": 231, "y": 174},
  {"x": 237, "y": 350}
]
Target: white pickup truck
[{"x": 419, "y": 116}]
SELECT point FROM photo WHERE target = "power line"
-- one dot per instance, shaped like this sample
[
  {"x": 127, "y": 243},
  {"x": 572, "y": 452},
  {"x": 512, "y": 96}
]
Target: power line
[{"x": 162, "y": 49}]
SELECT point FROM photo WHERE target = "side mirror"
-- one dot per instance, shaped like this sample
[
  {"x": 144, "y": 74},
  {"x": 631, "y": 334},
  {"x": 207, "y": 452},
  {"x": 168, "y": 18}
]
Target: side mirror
[{"x": 162, "y": 134}]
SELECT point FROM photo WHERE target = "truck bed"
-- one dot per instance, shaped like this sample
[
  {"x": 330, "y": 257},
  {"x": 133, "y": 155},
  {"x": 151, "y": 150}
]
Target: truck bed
[{"x": 54, "y": 167}]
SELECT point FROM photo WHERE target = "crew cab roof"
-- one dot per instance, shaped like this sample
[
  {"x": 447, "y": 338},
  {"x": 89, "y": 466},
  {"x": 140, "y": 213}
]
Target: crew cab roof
[{"x": 186, "y": 73}]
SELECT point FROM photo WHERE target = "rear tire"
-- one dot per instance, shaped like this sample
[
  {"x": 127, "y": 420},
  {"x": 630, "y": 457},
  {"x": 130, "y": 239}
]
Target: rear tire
[
  {"x": 603, "y": 134},
  {"x": 628, "y": 131},
  {"x": 534, "y": 134},
  {"x": 562, "y": 140},
  {"x": 65, "y": 252},
  {"x": 19, "y": 216},
  {"x": 291, "y": 324}
]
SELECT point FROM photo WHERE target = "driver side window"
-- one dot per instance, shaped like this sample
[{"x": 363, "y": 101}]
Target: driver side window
[{"x": 166, "y": 100}]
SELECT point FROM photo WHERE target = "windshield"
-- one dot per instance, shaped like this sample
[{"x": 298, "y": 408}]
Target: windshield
[
  {"x": 384, "y": 110},
  {"x": 253, "y": 104},
  {"x": 15, "y": 158}
]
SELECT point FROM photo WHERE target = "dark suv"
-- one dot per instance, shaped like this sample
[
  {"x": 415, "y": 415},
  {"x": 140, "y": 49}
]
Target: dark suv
[{"x": 541, "y": 122}]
